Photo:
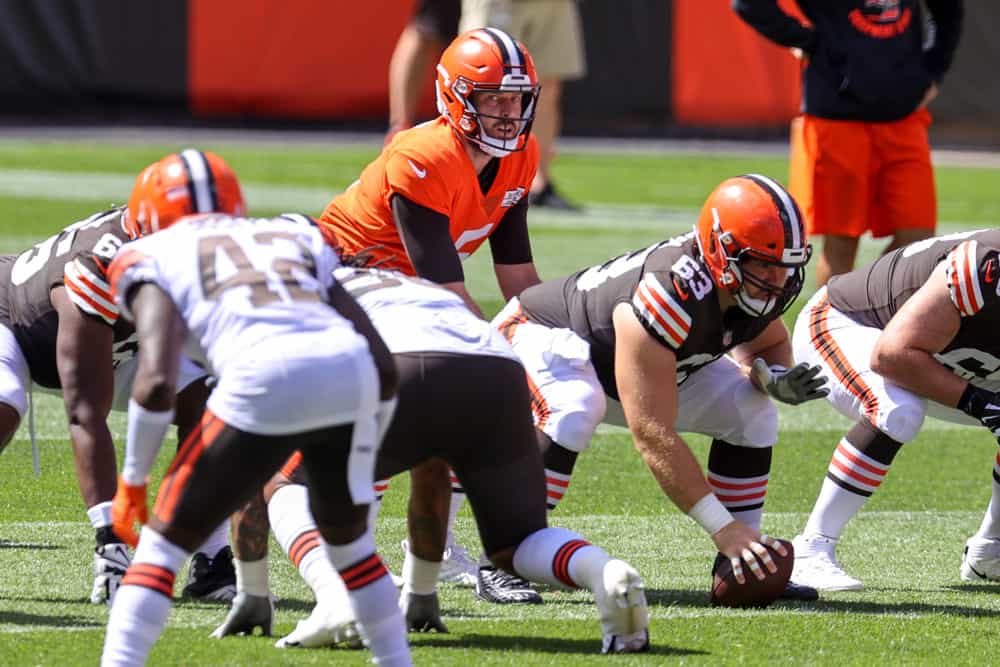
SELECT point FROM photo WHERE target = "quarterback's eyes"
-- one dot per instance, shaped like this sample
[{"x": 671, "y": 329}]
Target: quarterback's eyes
[{"x": 497, "y": 100}]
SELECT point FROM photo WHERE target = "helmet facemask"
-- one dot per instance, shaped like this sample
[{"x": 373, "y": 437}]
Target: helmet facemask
[
  {"x": 487, "y": 60},
  {"x": 471, "y": 122},
  {"x": 736, "y": 277}
]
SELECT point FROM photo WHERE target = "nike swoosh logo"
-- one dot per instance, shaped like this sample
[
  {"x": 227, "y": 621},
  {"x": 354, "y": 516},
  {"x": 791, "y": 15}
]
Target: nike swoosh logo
[{"x": 421, "y": 173}]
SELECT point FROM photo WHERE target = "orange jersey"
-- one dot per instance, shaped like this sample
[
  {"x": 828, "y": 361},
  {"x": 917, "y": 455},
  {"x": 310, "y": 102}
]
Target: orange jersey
[{"x": 429, "y": 166}]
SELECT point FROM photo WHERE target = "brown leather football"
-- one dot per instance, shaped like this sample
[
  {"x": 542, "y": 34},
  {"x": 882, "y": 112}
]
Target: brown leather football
[{"x": 753, "y": 593}]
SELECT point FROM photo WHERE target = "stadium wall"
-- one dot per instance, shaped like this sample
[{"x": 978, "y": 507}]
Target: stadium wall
[{"x": 655, "y": 67}]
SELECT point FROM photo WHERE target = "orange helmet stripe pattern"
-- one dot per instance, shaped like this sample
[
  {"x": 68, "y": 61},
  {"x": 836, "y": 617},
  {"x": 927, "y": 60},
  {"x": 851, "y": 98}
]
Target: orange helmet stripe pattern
[
  {"x": 201, "y": 181},
  {"x": 753, "y": 217},
  {"x": 510, "y": 52},
  {"x": 178, "y": 185},
  {"x": 791, "y": 218},
  {"x": 486, "y": 59}
]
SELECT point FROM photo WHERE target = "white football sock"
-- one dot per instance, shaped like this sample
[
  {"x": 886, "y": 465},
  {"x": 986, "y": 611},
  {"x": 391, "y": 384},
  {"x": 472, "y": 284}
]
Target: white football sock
[
  {"x": 990, "y": 527},
  {"x": 143, "y": 601},
  {"x": 560, "y": 558},
  {"x": 100, "y": 514},
  {"x": 373, "y": 599}
]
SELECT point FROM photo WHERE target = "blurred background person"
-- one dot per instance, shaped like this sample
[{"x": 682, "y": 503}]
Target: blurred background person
[
  {"x": 860, "y": 156},
  {"x": 433, "y": 25},
  {"x": 553, "y": 33}
]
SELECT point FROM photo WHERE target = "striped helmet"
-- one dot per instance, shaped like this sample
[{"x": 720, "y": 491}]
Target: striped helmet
[
  {"x": 491, "y": 60},
  {"x": 181, "y": 184},
  {"x": 753, "y": 217}
]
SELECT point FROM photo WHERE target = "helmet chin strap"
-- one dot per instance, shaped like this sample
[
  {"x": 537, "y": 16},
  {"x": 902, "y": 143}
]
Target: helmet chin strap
[
  {"x": 751, "y": 306},
  {"x": 490, "y": 148}
]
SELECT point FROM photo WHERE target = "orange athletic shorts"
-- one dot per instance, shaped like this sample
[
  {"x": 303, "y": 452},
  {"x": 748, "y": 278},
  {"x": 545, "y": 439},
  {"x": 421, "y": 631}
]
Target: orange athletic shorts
[{"x": 851, "y": 176}]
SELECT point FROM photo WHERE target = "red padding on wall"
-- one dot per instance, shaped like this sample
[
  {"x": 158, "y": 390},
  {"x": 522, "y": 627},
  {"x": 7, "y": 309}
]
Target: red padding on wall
[
  {"x": 300, "y": 59},
  {"x": 724, "y": 73}
]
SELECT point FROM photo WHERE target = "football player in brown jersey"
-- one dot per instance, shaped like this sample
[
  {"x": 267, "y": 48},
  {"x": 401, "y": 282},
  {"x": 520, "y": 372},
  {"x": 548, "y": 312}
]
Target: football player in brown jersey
[
  {"x": 684, "y": 335},
  {"x": 912, "y": 334},
  {"x": 60, "y": 331}
]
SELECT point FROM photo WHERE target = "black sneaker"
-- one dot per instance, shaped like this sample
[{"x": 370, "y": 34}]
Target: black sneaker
[
  {"x": 501, "y": 587},
  {"x": 212, "y": 578},
  {"x": 799, "y": 592},
  {"x": 549, "y": 198}
]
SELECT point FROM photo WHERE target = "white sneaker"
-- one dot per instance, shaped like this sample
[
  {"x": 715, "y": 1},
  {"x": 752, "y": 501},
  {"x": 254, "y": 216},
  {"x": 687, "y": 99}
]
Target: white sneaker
[
  {"x": 110, "y": 562},
  {"x": 981, "y": 559},
  {"x": 457, "y": 567},
  {"x": 816, "y": 565},
  {"x": 622, "y": 604},
  {"x": 323, "y": 628}
]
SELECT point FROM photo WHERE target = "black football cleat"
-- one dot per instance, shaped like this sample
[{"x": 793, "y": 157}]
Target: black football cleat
[
  {"x": 799, "y": 592},
  {"x": 549, "y": 198},
  {"x": 211, "y": 579},
  {"x": 501, "y": 587}
]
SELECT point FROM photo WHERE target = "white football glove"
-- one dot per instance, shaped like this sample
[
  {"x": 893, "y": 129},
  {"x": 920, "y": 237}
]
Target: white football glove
[{"x": 790, "y": 385}]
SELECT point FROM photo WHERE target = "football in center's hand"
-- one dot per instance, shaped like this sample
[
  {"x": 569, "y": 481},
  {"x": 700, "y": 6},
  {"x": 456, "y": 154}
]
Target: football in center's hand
[{"x": 753, "y": 593}]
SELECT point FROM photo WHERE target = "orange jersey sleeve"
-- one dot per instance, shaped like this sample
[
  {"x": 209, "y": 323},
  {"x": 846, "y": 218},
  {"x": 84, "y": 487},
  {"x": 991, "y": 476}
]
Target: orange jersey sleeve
[{"x": 429, "y": 166}]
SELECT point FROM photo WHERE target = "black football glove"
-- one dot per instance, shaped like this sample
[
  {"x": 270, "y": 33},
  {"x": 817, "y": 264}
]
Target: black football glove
[
  {"x": 790, "y": 385},
  {"x": 984, "y": 405}
]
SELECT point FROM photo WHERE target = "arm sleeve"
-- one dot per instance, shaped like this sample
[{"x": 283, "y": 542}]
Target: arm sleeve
[
  {"x": 425, "y": 234},
  {"x": 86, "y": 283},
  {"x": 947, "y": 20},
  {"x": 662, "y": 314},
  {"x": 509, "y": 244},
  {"x": 767, "y": 18},
  {"x": 971, "y": 272}
]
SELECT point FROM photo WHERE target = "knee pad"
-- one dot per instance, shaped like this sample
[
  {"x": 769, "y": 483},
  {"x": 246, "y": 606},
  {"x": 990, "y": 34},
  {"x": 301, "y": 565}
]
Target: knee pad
[
  {"x": 902, "y": 422},
  {"x": 574, "y": 428}
]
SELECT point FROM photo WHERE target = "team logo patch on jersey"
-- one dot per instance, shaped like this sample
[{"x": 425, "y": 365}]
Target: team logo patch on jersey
[{"x": 511, "y": 197}]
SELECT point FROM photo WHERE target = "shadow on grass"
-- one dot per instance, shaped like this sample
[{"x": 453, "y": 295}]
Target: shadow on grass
[
  {"x": 509, "y": 643},
  {"x": 697, "y": 599},
  {"x": 5, "y": 544},
  {"x": 44, "y": 620},
  {"x": 975, "y": 589}
]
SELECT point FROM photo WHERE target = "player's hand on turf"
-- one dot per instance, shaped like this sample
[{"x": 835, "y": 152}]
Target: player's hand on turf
[
  {"x": 247, "y": 613},
  {"x": 422, "y": 612},
  {"x": 747, "y": 550},
  {"x": 128, "y": 507},
  {"x": 790, "y": 385}
]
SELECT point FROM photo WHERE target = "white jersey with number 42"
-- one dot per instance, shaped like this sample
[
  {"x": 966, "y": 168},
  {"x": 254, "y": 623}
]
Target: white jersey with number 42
[{"x": 235, "y": 281}]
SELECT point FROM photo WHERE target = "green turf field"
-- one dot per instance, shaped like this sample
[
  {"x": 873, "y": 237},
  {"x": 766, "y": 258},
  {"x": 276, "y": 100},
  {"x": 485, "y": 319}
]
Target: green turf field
[{"x": 906, "y": 545}]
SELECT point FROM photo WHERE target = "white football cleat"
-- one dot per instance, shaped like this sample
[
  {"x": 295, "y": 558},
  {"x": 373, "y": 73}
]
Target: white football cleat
[
  {"x": 622, "y": 604},
  {"x": 110, "y": 562},
  {"x": 324, "y": 628},
  {"x": 981, "y": 559},
  {"x": 457, "y": 567},
  {"x": 816, "y": 565}
]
